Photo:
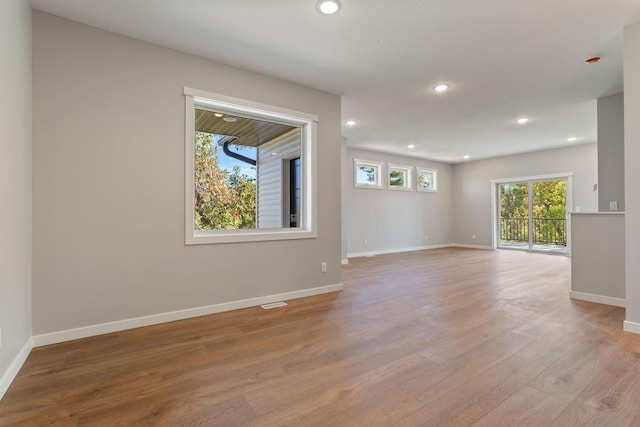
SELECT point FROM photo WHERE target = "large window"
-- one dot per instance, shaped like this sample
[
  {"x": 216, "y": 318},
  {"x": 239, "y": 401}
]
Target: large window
[{"x": 249, "y": 171}]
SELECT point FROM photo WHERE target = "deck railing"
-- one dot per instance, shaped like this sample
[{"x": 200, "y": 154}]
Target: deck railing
[{"x": 546, "y": 231}]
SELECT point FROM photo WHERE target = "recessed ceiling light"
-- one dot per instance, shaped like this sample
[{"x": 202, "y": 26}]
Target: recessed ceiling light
[
  {"x": 351, "y": 122},
  {"x": 466, "y": 156},
  {"x": 441, "y": 87},
  {"x": 572, "y": 139},
  {"x": 411, "y": 146},
  {"x": 218, "y": 114},
  {"x": 230, "y": 119},
  {"x": 522, "y": 120},
  {"x": 328, "y": 7}
]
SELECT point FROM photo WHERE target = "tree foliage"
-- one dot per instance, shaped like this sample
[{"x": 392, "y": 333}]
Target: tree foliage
[
  {"x": 514, "y": 201},
  {"x": 549, "y": 200},
  {"x": 223, "y": 200},
  {"x": 424, "y": 180},
  {"x": 396, "y": 178}
]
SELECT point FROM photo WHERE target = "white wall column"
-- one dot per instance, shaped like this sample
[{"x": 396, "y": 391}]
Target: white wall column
[{"x": 632, "y": 174}]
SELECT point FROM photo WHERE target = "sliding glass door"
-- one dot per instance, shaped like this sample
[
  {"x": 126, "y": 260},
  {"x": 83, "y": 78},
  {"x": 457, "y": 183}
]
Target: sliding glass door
[{"x": 532, "y": 215}]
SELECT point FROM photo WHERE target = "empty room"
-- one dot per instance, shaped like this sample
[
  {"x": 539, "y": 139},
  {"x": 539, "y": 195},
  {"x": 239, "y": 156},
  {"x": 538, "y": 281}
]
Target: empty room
[{"x": 302, "y": 213}]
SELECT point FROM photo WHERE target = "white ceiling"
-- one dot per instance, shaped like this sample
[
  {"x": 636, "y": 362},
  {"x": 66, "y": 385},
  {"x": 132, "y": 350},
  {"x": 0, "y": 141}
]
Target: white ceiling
[{"x": 503, "y": 59}]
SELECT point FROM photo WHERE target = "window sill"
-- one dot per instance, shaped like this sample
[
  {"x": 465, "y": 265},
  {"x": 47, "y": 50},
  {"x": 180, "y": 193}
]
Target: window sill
[{"x": 242, "y": 236}]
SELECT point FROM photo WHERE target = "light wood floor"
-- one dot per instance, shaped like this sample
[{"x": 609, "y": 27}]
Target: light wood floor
[{"x": 450, "y": 337}]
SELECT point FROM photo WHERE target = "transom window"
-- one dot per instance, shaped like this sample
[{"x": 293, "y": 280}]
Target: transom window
[
  {"x": 367, "y": 174},
  {"x": 427, "y": 179},
  {"x": 399, "y": 177}
]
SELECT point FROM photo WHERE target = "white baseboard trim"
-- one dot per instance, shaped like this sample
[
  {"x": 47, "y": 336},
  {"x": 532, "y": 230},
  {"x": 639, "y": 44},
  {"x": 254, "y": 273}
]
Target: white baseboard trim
[
  {"x": 600, "y": 299},
  {"x": 11, "y": 372},
  {"x": 464, "y": 245},
  {"x": 396, "y": 250},
  {"x": 121, "y": 325},
  {"x": 345, "y": 261},
  {"x": 632, "y": 327}
]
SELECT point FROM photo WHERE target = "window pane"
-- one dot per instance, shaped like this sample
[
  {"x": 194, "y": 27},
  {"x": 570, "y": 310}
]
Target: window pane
[
  {"x": 424, "y": 180},
  {"x": 427, "y": 180},
  {"x": 242, "y": 171},
  {"x": 397, "y": 178},
  {"x": 366, "y": 175}
]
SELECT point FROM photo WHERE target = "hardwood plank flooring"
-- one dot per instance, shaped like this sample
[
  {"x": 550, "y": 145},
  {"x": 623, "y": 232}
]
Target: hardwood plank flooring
[{"x": 446, "y": 337}]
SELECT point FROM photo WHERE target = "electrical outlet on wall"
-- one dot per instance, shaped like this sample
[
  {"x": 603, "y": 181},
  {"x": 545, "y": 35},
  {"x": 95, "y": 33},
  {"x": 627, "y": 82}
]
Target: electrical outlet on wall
[
  {"x": 426, "y": 237},
  {"x": 473, "y": 236},
  {"x": 613, "y": 205},
  {"x": 323, "y": 267}
]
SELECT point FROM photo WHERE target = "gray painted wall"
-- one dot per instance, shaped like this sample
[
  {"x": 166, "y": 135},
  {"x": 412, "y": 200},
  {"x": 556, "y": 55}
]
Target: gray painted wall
[
  {"x": 632, "y": 172},
  {"x": 109, "y": 183},
  {"x": 611, "y": 152},
  {"x": 472, "y": 185},
  {"x": 15, "y": 179},
  {"x": 393, "y": 219},
  {"x": 597, "y": 254}
]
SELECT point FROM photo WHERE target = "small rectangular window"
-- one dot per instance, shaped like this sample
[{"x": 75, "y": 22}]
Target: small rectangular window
[
  {"x": 427, "y": 180},
  {"x": 399, "y": 177},
  {"x": 367, "y": 174},
  {"x": 239, "y": 175}
]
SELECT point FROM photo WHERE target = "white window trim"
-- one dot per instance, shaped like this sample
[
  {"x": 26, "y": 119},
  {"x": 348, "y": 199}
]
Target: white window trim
[
  {"x": 223, "y": 103},
  {"x": 408, "y": 182},
  {"x": 379, "y": 184},
  {"x": 434, "y": 181}
]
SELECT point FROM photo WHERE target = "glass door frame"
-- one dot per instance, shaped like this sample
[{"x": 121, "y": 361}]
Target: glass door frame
[{"x": 495, "y": 207}]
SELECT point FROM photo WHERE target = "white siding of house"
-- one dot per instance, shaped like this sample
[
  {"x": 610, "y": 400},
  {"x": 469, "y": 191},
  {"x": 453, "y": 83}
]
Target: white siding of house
[{"x": 270, "y": 177}]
